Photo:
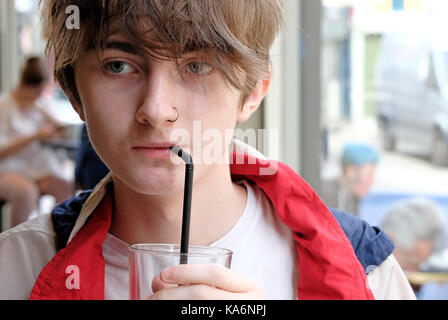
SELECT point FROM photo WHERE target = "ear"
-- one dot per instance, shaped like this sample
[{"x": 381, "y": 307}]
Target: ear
[
  {"x": 78, "y": 108},
  {"x": 254, "y": 100},
  {"x": 75, "y": 101}
]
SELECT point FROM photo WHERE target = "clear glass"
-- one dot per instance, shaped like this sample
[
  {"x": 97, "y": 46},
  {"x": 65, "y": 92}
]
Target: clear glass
[{"x": 147, "y": 261}]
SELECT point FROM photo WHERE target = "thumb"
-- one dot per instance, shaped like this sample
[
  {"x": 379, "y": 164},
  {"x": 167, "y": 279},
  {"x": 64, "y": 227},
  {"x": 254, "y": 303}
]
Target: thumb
[{"x": 158, "y": 284}]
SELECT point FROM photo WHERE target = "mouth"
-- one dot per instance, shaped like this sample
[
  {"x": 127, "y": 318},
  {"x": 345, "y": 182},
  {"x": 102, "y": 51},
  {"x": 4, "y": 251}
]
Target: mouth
[{"x": 155, "y": 150}]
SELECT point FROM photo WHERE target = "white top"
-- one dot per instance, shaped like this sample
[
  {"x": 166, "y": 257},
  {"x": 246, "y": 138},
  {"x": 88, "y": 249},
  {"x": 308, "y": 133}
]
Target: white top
[{"x": 33, "y": 161}]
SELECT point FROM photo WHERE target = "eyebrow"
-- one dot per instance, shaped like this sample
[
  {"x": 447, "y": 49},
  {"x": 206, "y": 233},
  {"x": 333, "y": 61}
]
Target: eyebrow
[
  {"x": 121, "y": 46},
  {"x": 115, "y": 45},
  {"x": 129, "y": 48}
]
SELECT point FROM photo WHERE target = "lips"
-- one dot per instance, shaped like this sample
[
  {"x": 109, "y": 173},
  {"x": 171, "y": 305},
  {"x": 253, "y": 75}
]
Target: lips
[
  {"x": 162, "y": 145},
  {"x": 159, "y": 150}
]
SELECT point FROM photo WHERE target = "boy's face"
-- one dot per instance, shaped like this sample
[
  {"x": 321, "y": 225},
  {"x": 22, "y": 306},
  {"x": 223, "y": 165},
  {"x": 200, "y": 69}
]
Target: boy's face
[{"x": 128, "y": 102}]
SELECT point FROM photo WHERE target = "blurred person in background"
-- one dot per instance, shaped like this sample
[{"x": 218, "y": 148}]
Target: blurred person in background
[
  {"x": 417, "y": 228},
  {"x": 27, "y": 169},
  {"x": 89, "y": 168},
  {"x": 358, "y": 165}
]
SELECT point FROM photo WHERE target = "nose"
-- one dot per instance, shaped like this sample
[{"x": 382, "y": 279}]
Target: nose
[{"x": 158, "y": 104}]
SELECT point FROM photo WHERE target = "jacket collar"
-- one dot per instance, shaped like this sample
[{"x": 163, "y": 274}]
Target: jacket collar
[{"x": 328, "y": 266}]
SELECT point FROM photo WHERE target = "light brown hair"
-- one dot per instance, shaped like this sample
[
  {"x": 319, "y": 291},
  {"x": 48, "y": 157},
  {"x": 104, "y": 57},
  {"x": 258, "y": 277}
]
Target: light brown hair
[{"x": 235, "y": 34}]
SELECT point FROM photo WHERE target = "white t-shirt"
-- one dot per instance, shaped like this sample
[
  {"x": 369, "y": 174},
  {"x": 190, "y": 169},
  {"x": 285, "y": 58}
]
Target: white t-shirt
[
  {"x": 258, "y": 243},
  {"x": 33, "y": 161}
]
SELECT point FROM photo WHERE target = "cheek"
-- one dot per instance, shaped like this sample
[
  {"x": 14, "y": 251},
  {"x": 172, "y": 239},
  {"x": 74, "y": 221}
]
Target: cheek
[
  {"x": 108, "y": 111},
  {"x": 220, "y": 109},
  {"x": 220, "y": 122},
  {"x": 109, "y": 100},
  {"x": 213, "y": 108},
  {"x": 210, "y": 119}
]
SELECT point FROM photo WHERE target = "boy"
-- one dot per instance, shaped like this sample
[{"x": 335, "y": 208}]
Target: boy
[{"x": 137, "y": 72}]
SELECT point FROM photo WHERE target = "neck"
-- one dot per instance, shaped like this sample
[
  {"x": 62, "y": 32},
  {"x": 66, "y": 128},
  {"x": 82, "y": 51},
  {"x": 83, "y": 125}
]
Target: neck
[{"x": 139, "y": 218}]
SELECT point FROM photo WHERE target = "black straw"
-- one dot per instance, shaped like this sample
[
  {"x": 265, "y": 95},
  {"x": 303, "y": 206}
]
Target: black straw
[{"x": 185, "y": 237}]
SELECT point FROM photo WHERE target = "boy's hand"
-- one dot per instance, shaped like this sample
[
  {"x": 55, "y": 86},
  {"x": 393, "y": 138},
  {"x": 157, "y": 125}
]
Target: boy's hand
[{"x": 203, "y": 282}]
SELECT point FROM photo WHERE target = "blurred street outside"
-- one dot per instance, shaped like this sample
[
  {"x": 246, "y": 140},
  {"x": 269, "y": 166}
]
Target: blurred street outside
[
  {"x": 403, "y": 171},
  {"x": 400, "y": 174}
]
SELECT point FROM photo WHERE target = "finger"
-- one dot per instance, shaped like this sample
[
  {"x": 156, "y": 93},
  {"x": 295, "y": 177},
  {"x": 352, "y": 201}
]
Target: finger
[
  {"x": 209, "y": 274},
  {"x": 158, "y": 284},
  {"x": 201, "y": 292}
]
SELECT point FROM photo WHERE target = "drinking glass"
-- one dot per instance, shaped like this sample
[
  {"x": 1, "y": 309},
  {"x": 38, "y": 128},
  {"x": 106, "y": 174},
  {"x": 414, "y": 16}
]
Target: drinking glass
[{"x": 147, "y": 261}]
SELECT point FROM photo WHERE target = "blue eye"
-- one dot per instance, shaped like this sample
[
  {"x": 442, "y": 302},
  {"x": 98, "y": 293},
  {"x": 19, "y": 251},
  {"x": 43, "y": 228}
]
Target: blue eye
[
  {"x": 198, "y": 67},
  {"x": 119, "y": 67}
]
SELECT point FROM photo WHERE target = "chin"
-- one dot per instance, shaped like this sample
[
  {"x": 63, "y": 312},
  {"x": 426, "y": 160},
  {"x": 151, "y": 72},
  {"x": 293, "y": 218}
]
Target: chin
[{"x": 155, "y": 183}]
